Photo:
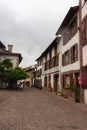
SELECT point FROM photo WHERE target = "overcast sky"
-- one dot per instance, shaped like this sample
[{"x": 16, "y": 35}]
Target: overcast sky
[{"x": 30, "y": 25}]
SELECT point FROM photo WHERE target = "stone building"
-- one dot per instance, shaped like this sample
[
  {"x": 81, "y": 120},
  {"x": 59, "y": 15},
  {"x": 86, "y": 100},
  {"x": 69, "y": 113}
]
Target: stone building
[{"x": 8, "y": 54}]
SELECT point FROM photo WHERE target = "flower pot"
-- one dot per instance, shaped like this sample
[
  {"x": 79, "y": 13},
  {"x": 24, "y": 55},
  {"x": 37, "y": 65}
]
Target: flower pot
[{"x": 49, "y": 89}]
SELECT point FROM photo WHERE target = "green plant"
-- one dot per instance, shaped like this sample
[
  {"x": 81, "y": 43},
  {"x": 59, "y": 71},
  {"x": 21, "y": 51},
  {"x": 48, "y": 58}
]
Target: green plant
[{"x": 75, "y": 90}]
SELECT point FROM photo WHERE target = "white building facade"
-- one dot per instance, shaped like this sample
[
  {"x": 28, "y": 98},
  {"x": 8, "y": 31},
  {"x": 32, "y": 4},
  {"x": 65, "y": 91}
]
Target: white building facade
[
  {"x": 83, "y": 43},
  {"x": 51, "y": 66}
]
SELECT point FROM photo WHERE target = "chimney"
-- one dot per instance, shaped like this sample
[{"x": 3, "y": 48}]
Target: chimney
[{"x": 10, "y": 48}]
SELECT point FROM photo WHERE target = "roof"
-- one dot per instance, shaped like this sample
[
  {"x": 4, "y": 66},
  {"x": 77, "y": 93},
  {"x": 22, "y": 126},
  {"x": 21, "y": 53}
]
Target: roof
[
  {"x": 67, "y": 19},
  {"x": 30, "y": 68},
  {"x": 54, "y": 43},
  {"x": 2, "y": 45}
]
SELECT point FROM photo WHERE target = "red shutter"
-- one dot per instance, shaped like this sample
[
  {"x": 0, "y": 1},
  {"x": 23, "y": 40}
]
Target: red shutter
[
  {"x": 83, "y": 31},
  {"x": 63, "y": 81},
  {"x": 84, "y": 76},
  {"x": 71, "y": 55},
  {"x": 68, "y": 57},
  {"x": 71, "y": 79},
  {"x": 76, "y": 49},
  {"x": 86, "y": 28}
]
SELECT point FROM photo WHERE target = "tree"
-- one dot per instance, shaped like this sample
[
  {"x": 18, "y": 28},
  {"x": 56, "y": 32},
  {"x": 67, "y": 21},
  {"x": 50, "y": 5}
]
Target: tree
[
  {"x": 4, "y": 66},
  {"x": 7, "y": 74},
  {"x": 14, "y": 75}
]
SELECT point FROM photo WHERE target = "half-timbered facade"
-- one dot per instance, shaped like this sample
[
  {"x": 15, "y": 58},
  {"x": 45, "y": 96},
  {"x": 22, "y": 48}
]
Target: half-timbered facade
[
  {"x": 38, "y": 79},
  {"x": 51, "y": 65},
  {"x": 69, "y": 29}
]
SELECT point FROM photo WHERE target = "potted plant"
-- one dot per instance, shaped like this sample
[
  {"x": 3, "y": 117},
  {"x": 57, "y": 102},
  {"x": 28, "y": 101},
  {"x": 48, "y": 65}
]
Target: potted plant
[
  {"x": 76, "y": 92},
  {"x": 49, "y": 87}
]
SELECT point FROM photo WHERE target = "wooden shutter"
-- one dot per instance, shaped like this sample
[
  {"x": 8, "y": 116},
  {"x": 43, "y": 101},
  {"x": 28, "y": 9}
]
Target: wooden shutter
[
  {"x": 68, "y": 57},
  {"x": 71, "y": 54},
  {"x": 83, "y": 31},
  {"x": 63, "y": 81},
  {"x": 76, "y": 49},
  {"x": 86, "y": 28},
  {"x": 71, "y": 79},
  {"x": 84, "y": 76},
  {"x": 63, "y": 60}
]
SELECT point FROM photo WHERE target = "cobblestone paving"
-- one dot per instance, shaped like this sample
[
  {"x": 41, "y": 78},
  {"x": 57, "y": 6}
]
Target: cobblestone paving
[{"x": 34, "y": 109}]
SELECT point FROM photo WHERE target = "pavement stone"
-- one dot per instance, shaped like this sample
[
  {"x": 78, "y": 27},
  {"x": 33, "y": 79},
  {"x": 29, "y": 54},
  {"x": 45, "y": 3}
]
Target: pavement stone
[{"x": 34, "y": 109}]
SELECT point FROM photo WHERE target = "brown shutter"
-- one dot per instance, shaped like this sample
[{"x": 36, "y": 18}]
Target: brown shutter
[
  {"x": 68, "y": 57},
  {"x": 86, "y": 28},
  {"x": 71, "y": 55},
  {"x": 62, "y": 59},
  {"x": 71, "y": 79},
  {"x": 83, "y": 31},
  {"x": 63, "y": 81},
  {"x": 76, "y": 47},
  {"x": 84, "y": 76},
  {"x": 52, "y": 63}
]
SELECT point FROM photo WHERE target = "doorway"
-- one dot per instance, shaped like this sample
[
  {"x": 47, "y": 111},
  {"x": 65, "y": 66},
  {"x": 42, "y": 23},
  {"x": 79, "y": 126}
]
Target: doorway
[{"x": 56, "y": 79}]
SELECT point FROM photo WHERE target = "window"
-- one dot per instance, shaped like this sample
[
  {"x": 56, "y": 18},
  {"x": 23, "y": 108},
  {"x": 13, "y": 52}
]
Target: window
[
  {"x": 74, "y": 53},
  {"x": 66, "y": 58},
  {"x": 45, "y": 66},
  {"x": 66, "y": 81},
  {"x": 73, "y": 27},
  {"x": 70, "y": 30}
]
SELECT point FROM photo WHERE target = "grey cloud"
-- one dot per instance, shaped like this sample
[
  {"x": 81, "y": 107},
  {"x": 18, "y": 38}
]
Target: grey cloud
[{"x": 32, "y": 34}]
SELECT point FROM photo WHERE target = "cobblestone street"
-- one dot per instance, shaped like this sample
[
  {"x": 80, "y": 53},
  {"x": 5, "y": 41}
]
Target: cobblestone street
[{"x": 34, "y": 109}]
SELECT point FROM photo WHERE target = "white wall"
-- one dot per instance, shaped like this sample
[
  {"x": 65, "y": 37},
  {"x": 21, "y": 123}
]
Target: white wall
[
  {"x": 14, "y": 59},
  {"x": 84, "y": 9},
  {"x": 85, "y": 95},
  {"x": 84, "y": 55},
  {"x": 84, "y": 13},
  {"x": 74, "y": 66}
]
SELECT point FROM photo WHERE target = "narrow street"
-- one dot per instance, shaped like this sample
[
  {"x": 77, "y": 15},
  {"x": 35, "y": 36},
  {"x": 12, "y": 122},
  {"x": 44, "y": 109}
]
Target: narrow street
[{"x": 34, "y": 109}]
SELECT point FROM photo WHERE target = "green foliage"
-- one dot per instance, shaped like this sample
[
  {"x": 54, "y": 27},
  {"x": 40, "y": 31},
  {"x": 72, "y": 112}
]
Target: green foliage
[
  {"x": 75, "y": 90},
  {"x": 16, "y": 74},
  {"x": 6, "y": 64},
  {"x": 11, "y": 75}
]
